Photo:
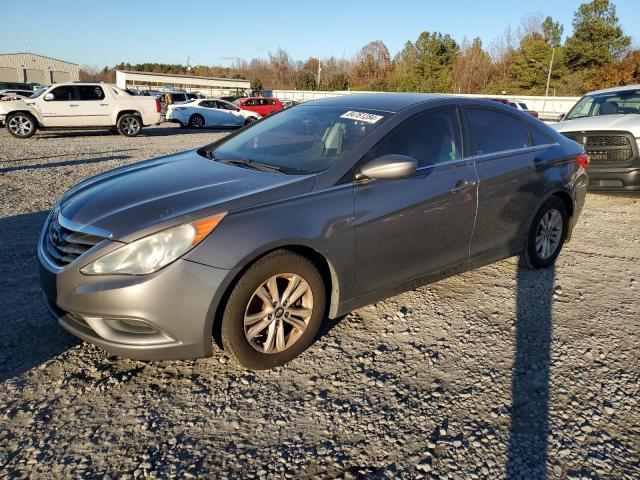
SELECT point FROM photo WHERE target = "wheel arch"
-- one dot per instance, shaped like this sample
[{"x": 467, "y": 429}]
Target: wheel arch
[
  {"x": 128, "y": 112},
  {"x": 567, "y": 200},
  {"x": 31, "y": 114},
  {"x": 320, "y": 261}
]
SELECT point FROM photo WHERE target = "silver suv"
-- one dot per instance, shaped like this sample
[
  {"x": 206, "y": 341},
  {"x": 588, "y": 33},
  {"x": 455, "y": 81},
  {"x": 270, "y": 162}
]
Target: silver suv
[{"x": 607, "y": 124}]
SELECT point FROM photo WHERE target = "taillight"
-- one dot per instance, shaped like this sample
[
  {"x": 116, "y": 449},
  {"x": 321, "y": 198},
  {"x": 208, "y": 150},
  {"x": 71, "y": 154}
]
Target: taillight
[
  {"x": 158, "y": 106},
  {"x": 583, "y": 160}
]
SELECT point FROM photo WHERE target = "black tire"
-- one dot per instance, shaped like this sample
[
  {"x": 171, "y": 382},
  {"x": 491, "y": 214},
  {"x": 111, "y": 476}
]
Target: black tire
[
  {"x": 234, "y": 340},
  {"x": 196, "y": 121},
  {"x": 21, "y": 124},
  {"x": 530, "y": 256},
  {"x": 129, "y": 125},
  {"x": 250, "y": 120}
]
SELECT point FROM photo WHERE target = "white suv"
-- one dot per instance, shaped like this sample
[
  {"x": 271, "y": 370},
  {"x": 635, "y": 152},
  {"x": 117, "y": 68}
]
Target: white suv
[{"x": 80, "y": 105}]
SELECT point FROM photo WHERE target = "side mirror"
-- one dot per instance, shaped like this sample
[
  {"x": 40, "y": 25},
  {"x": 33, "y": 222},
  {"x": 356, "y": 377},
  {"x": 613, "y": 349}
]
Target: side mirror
[
  {"x": 388, "y": 167},
  {"x": 48, "y": 97},
  {"x": 561, "y": 117}
]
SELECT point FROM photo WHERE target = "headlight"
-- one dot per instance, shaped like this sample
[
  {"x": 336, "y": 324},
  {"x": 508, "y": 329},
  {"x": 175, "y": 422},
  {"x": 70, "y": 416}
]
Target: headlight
[{"x": 150, "y": 254}]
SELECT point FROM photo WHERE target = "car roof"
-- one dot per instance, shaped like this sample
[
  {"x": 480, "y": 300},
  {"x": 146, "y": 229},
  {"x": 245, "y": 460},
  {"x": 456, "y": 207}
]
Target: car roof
[
  {"x": 615, "y": 89},
  {"x": 387, "y": 102}
]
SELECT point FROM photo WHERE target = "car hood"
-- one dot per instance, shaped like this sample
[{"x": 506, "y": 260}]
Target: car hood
[
  {"x": 629, "y": 123},
  {"x": 140, "y": 199}
]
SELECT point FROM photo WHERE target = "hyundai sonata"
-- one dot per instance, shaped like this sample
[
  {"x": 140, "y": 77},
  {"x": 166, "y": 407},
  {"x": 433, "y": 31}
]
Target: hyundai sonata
[{"x": 317, "y": 210}]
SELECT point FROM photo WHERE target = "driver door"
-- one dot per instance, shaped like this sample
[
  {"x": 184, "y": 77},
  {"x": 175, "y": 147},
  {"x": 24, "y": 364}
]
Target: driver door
[
  {"x": 63, "y": 110},
  {"x": 411, "y": 227}
]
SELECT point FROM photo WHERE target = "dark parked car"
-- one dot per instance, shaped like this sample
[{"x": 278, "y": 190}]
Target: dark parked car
[{"x": 311, "y": 213}]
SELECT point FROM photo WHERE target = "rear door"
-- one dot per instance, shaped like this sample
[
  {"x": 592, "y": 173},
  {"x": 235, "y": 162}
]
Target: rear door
[
  {"x": 411, "y": 227},
  {"x": 511, "y": 184},
  {"x": 227, "y": 114},
  {"x": 95, "y": 107},
  {"x": 63, "y": 110}
]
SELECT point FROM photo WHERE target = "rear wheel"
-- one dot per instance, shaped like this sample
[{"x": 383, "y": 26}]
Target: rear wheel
[
  {"x": 129, "y": 125},
  {"x": 196, "y": 121},
  {"x": 546, "y": 236},
  {"x": 21, "y": 125},
  {"x": 274, "y": 311}
]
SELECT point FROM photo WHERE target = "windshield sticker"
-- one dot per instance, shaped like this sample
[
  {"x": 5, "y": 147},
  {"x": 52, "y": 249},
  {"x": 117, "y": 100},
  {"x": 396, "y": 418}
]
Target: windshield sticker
[{"x": 361, "y": 116}]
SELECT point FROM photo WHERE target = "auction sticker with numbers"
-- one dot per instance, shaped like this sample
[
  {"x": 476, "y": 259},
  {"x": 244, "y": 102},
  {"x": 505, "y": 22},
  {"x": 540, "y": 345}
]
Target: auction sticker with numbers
[{"x": 361, "y": 116}]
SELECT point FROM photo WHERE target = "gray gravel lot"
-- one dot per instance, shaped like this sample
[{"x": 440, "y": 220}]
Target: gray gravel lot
[{"x": 497, "y": 372}]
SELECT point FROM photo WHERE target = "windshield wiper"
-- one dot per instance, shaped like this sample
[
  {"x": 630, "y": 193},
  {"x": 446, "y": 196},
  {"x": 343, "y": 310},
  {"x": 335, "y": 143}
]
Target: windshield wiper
[{"x": 246, "y": 163}]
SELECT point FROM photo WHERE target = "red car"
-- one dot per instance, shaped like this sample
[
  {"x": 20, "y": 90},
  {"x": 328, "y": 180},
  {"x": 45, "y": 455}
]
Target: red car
[
  {"x": 262, "y": 105},
  {"x": 517, "y": 105}
]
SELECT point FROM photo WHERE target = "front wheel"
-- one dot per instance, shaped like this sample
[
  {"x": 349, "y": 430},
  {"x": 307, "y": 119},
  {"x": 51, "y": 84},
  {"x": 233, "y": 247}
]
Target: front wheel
[
  {"x": 129, "y": 125},
  {"x": 546, "y": 236},
  {"x": 274, "y": 311},
  {"x": 21, "y": 125},
  {"x": 250, "y": 120}
]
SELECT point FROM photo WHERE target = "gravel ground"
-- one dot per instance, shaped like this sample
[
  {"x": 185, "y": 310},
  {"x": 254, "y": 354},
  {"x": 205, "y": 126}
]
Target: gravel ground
[{"x": 495, "y": 373}]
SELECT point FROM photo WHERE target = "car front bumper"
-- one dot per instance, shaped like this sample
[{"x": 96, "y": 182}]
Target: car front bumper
[
  {"x": 166, "y": 315},
  {"x": 614, "y": 179}
]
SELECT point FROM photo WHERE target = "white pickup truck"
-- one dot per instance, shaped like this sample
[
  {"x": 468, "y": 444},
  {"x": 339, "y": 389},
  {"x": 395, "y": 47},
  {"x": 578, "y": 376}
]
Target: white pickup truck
[{"x": 80, "y": 105}]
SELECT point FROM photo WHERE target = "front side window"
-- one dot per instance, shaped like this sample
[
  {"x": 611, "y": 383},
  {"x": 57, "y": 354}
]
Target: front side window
[
  {"x": 430, "y": 138},
  {"x": 495, "y": 131},
  {"x": 301, "y": 140},
  {"x": 63, "y": 94},
  {"x": 90, "y": 92}
]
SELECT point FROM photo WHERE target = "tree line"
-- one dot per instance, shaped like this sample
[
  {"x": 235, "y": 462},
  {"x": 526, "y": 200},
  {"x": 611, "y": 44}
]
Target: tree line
[{"x": 520, "y": 61}]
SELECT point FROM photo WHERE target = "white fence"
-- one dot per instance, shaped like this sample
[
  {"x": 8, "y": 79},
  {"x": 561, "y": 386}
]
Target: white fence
[{"x": 549, "y": 108}]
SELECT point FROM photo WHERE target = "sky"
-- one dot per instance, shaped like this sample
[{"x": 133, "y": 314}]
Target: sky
[{"x": 214, "y": 33}]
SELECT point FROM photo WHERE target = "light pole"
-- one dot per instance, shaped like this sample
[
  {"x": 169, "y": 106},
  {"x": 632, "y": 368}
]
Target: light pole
[{"x": 548, "y": 70}]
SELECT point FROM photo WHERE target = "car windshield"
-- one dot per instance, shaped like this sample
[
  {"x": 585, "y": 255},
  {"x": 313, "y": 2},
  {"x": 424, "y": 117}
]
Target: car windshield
[
  {"x": 300, "y": 140},
  {"x": 38, "y": 92},
  {"x": 613, "y": 103}
]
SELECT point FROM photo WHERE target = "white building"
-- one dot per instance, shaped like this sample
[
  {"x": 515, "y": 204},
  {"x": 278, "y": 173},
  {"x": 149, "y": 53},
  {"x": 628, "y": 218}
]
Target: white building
[
  {"x": 32, "y": 68},
  {"x": 208, "y": 86}
]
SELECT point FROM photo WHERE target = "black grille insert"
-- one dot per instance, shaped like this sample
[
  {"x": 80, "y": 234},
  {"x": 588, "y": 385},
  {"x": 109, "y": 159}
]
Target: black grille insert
[{"x": 610, "y": 147}]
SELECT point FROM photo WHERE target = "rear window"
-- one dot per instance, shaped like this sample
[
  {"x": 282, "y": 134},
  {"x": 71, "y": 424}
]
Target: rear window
[
  {"x": 495, "y": 131},
  {"x": 90, "y": 92}
]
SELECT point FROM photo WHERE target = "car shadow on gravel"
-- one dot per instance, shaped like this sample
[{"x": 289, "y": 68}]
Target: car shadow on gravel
[
  {"x": 66, "y": 163},
  {"x": 158, "y": 131},
  {"x": 29, "y": 335},
  {"x": 529, "y": 431}
]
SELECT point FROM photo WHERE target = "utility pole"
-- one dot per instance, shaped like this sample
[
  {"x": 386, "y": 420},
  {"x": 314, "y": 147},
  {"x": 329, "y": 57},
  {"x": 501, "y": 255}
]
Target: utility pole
[
  {"x": 319, "y": 70},
  {"x": 553, "y": 52}
]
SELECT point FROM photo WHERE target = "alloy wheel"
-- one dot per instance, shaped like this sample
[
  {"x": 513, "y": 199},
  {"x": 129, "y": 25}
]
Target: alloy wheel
[
  {"x": 278, "y": 313},
  {"x": 549, "y": 233},
  {"x": 130, "y": 125},
  {"x": 20, "y": 125}
]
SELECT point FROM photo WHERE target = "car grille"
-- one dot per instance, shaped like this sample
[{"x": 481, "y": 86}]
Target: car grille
[
  {"x": 63, "y": 245},
  {"x": 615, "y": 148}
]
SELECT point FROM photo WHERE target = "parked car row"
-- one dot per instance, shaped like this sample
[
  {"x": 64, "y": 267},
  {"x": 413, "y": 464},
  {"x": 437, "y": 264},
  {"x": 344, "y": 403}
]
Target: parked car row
[
  {"x": 518, "y": 105},
  {"x": 210, "y": 112}
]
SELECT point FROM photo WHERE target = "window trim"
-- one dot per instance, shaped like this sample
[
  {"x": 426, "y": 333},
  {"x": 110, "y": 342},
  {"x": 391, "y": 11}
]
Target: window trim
[{"x": 73, "y": 89}]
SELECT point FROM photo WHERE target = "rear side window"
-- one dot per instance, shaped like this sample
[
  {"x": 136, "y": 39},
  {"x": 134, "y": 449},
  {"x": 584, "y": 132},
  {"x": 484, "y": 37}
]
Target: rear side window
[
  {"x": 63, "y": 94},
  {"x": 430, "y": 138},
  {"x": 90, "y": 92},
  {"x": 250, "y": 103},
  {"x": 496, "y": 132},
  {"x": 539, "y": 135}
]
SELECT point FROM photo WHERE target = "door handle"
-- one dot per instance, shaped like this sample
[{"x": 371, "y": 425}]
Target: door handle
[
  {"x": 104, "y": 104},
  {"x": 463, "y": 185},
  {"x": 74, "y": 104}
]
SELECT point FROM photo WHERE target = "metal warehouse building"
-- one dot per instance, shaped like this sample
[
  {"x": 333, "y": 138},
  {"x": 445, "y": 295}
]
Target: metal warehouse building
[
  {"x": 210, "y": 86},
  {"x": 31, "y": 68}
]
